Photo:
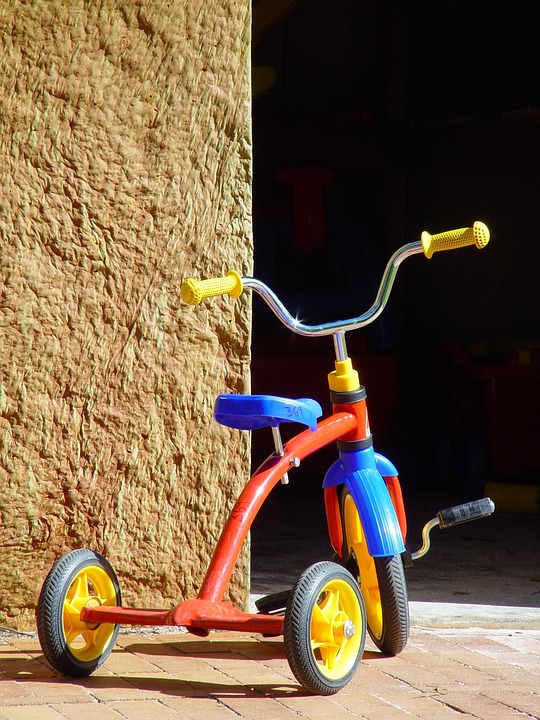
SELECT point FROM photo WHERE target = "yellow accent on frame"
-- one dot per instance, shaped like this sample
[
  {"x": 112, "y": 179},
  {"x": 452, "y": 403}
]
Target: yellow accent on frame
[{"x": 344, "y": 378}]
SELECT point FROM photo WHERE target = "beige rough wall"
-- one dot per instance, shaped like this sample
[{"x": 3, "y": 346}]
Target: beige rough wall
[{"x": 125, "y": 165}]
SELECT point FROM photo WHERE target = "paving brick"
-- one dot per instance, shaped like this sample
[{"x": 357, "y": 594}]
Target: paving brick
[
  {"x": 442, "y": 675},
  {"x": 89, "y": 711},
  {"x": 10, "y": 652},
  {"x": 23, "y": 643},
  {"x": 267, "y": 651},
  {"x": 201, "y": 709},
  {"x": 526, "y": 643},
  {"x": 125, "y": 663},
  {"x": 216, "y": 642},
  {"x": 324, "y": 708},
  {"x": 126, "y": 638},
  {"x": 13, "y": 691},
  {"x": 22, "y": 713},
  {"x": 45, "y": 692},
  {"x": 260, "y": 708},
  {"x": 374, "y": 708},
  {"x": 482, "y": 707},
  {"x": 525, "y": 699},
  {"x": 246, "y": 671},
  {"x": 400, "y": 670},
  {"x": 461, "y": 663},
  {"x": 389, "y": 673},
  {"x": 22, "y": 661},
  {"x": 154, "y": 686},
  {"x": 145, "y": 710},
  {"x": 195, "y": 672},
  {"x": 422, "y": 706},
  {"x": 150, "y": 645}
]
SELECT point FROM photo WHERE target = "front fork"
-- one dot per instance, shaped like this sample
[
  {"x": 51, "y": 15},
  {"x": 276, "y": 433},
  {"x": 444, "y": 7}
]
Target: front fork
[
  {"x": 373, "y": 482},
  {"x": 446, "y": 518},
  {"x": 379, "y": 501}
]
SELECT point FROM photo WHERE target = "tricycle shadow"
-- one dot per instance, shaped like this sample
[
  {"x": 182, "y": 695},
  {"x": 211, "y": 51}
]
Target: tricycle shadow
[{"x": 166, "y": 679}]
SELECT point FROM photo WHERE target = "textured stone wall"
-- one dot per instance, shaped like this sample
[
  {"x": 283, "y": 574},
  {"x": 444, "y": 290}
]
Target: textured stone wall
[{"x": 125, "y": 165}]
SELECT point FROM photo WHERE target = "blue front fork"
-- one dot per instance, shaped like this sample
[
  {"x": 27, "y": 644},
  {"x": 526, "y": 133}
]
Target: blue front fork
[{"x": 362, "y": 472}]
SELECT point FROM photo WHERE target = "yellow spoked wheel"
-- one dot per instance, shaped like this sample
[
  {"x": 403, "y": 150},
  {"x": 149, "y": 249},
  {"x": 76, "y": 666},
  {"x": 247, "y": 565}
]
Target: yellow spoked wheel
[
  {"x": 78, "y": 579},
  {"x": 382, "y": 583},
  {"x": 325, "y": 628}
]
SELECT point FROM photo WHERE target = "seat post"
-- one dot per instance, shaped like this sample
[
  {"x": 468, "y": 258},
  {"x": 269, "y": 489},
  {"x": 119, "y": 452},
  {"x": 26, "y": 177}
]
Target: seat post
[{"x": 278, "y": 444}]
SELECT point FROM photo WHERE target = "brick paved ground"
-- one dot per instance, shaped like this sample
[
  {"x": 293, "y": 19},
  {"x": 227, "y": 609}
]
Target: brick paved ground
[
  {"x": 447, "y": 672},
  {"x": 443, "y": 674}
]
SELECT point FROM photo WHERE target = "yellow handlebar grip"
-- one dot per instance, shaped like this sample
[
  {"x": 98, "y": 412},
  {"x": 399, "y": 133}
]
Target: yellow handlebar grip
[
  {"x": 477, "y": 235},
  {"x": 193, "y": 291}
]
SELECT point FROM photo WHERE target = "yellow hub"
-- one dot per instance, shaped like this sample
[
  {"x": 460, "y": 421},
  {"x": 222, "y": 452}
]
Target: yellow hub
[
  {"x": 336, "y": 629},
  {"x": 369, "y": 583},
  {"x": 91, "y": 586}
]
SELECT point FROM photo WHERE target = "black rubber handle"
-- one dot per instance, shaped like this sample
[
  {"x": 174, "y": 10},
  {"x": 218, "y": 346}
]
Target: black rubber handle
[{"x": 464, "y": 513}]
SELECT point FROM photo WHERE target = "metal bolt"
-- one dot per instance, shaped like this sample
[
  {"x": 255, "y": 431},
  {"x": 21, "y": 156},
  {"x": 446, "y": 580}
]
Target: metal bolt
[{"x": 348, "y": 629}]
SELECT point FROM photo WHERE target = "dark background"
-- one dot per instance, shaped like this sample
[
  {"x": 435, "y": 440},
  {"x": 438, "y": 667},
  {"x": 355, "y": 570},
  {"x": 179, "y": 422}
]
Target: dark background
[{"x": 421, "y": 116}]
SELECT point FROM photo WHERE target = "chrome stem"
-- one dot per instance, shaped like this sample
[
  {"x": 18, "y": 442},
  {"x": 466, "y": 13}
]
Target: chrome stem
[{"x": 340, "y": 346}]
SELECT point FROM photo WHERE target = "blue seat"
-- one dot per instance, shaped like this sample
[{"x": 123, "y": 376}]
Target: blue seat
[{"x": 251, "y": 412}]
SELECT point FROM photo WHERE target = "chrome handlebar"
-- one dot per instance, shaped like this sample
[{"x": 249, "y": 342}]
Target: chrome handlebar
[
  {"x": 339, "y": 326},
  {"x": 193, "y": 291}
]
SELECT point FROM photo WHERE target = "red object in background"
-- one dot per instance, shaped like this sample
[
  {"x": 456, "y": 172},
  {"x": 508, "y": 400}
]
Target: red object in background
[
  {"x": 507, "y": 399},
  {"x": 308, "y": 204},
  {"x": 297, "y": 368}
]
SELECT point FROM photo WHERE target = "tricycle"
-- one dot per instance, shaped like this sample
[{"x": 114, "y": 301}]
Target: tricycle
[{"x": 325, "y": 617}]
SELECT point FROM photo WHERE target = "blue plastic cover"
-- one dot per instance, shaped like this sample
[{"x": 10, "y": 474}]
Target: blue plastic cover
[
  {"x": 385, "y": 466},
  {"x": 379, "y": 520},
  {"x": 358, "y": 470},
  {"x": 251, "y": 412}
]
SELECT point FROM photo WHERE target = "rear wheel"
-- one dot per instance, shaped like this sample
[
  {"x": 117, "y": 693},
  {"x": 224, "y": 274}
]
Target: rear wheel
[
  {"x": 71, "y": 646},
  {"x": 381, "y": 580},
  {"x": 325, "y": 628}
]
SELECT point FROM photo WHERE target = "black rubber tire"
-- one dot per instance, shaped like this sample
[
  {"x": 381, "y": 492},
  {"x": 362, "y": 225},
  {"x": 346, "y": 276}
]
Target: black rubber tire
[
  {"x": 386, "y": 598},
  {"x": 78, "y": 577},
  {"x": 324, "y": 666}
]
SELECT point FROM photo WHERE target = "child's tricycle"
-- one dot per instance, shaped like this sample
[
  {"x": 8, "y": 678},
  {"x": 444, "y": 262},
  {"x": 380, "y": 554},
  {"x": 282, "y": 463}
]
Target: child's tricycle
[{"x": 324, "y": 617}]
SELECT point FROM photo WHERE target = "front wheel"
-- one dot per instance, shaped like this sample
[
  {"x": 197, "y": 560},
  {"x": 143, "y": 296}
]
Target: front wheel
[
  {"x": 71, "y": 646},
  {"x": 382, "y": 583},
  {"x": 325, "y": 628}
]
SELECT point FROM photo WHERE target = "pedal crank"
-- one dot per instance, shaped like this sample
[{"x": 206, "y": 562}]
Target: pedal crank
[{"x": 454, "y": 516}]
